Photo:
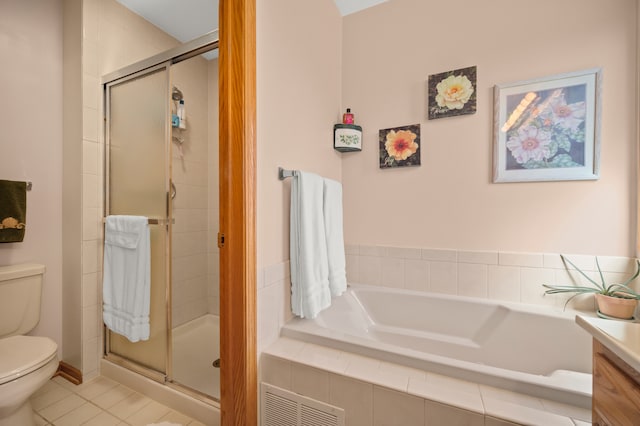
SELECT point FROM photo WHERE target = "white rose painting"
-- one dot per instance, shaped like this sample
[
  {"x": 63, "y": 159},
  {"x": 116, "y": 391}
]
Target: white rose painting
[{"x": 452, "y": 93}]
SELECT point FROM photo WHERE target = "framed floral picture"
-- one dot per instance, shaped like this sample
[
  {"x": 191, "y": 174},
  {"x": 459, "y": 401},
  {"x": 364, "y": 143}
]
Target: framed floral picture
[
  {"x": 548, "y": 128},
  {"x": 452, "y": 93},
  {"x": 400, "y": 146}
]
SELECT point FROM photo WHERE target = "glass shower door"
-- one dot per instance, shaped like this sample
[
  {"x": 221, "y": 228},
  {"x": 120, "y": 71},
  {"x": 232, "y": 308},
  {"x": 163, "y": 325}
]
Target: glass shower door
[{"x": 138, "y": 170}]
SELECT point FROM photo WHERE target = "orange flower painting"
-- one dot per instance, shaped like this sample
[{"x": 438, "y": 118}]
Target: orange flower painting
[{"x": 400, "y": 146}]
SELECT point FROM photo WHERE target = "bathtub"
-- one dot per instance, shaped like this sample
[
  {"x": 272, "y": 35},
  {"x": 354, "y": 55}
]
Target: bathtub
[{"x": 521, "y": 348}]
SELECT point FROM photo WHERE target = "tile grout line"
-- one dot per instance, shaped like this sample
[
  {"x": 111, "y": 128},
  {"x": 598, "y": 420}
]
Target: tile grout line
[{"x": 102, "y": 410}]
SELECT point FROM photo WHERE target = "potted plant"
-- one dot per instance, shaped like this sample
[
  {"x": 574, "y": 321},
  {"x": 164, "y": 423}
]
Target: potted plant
[{"x": 614, "y": 300}]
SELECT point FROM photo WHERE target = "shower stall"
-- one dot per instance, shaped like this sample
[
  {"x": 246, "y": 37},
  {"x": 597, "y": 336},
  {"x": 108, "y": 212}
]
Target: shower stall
[{"x": 161, "y": 161}]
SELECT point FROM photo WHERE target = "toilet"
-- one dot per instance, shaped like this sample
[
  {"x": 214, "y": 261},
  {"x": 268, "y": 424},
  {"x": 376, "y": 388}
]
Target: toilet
[{"x": 26, "y": 362}]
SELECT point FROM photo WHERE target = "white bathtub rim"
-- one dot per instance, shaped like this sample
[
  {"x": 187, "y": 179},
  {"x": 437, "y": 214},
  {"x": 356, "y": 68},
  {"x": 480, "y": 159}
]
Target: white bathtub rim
[
  {"x": 572, "y": 392},
  {"x": 564, "y": 386},
  {"x": 546, "y": 310}
]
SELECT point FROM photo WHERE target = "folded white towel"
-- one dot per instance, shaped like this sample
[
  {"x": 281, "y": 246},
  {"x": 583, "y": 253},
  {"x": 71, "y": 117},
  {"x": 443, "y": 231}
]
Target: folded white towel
[
  {"x": 127, "y": 276},
  {"x": 334, "y": 236},
  {"x": 309, "y": 266}
]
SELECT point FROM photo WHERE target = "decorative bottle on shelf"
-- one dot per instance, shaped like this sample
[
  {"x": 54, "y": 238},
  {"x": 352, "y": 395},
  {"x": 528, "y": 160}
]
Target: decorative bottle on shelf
[
  {"x": 347, "y": 136},
  {"x": 347, "y": 117}
]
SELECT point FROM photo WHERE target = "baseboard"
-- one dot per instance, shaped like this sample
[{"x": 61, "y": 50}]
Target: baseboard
[{"x": 69, "y": 372}]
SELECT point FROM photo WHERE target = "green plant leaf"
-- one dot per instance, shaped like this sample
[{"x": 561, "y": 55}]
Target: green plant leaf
[
  {"x": 564, "y": 259},
  {"x": 553, "y": 289},
  {"x": 600, "y": 272},
  {"x": 626, "y": 283},
  {"x": 615, "y": 290},
  {"x": 618, "y": 290}
]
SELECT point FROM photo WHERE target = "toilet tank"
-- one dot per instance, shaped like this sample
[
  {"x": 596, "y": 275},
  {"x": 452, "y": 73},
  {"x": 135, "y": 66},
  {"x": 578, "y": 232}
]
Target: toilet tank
[{"x": 20, "y": 292}]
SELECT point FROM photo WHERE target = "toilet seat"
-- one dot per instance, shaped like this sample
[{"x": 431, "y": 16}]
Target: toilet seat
[{"x": 20, "y": 355}]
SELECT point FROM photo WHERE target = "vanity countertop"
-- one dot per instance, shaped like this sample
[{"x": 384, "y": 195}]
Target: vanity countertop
[{"x": 621, "y": 337}]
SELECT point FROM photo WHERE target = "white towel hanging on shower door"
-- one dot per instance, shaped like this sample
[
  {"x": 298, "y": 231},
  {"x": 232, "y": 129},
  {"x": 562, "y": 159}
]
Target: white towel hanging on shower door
[{"x": 126, "y": 283}]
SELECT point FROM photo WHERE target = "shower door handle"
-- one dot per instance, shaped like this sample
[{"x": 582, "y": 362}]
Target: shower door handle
[{"x": 173, "y": 191}]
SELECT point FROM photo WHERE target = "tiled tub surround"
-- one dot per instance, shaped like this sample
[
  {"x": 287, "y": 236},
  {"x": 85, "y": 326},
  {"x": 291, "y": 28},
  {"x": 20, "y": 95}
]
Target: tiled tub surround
[
  {"x": 503, "y": 276},
  {"x": 508, "y": 345},
  {"x": 374, "y": 392},
  {"x": 365, "y": 386}
]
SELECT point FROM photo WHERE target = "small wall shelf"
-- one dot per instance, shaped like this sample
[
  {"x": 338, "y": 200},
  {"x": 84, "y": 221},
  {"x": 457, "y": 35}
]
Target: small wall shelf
[{"x": 347, "y": 137}]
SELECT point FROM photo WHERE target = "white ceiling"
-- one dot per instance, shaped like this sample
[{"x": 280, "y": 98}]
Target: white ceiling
[
  {"x": 182, "y": 19},
  {"x": 347, "y": 7},
  {"x": 188, "y": 19}
]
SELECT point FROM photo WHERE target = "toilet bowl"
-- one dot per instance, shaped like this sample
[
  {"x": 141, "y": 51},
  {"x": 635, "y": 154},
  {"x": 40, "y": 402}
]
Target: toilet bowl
[{"x": 26, "y": 362}]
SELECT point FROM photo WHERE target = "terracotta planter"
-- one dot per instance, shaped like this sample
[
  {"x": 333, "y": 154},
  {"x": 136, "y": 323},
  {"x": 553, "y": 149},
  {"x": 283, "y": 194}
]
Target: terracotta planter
[{"x": 616, "y": 307}]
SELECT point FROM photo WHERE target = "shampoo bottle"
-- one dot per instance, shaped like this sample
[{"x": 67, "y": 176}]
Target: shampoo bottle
[{"x": 182, "y": 115}]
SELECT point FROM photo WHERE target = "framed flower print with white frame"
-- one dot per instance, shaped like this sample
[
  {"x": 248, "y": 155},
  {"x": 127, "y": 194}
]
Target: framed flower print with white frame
[{"x": 548, "y": 129}]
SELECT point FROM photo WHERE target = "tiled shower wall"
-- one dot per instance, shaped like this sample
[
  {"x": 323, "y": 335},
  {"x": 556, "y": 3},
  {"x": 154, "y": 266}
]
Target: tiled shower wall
[
  {"x": 195, "y": 172},
  {"x": 190, "y": 205}
]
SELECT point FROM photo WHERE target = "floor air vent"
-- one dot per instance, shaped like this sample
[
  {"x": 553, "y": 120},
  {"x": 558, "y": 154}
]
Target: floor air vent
[{"x": 283, "y": 408}]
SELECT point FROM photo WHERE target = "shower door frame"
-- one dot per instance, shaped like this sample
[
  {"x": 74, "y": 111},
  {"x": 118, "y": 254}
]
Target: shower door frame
[
  {"x": 205, "y": 43},
  {"x": 165, "y": 222}
]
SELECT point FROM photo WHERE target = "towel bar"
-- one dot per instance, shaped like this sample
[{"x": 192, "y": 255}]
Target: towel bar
[
  {"x": 283, "y": 174},
  {"x": 152, "y": 221}
]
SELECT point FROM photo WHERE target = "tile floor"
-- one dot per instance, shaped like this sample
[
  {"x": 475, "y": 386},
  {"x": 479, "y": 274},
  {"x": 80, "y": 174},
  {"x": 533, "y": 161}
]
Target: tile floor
[{"x": 99, "y": 402}]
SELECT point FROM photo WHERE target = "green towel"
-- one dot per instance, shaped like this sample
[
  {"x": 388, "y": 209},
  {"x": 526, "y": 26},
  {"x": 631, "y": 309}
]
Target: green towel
[{"x": 13, "y": 211}]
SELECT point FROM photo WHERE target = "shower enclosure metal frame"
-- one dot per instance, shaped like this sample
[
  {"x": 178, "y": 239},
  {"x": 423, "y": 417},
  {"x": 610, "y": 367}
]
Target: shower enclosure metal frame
[{"x": 150, "y": 65}]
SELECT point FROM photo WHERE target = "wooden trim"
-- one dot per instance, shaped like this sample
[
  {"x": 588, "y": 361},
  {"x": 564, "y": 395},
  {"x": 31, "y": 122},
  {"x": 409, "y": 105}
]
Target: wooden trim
[
  {"x": 237, "y": 84},
  {"x": 69, "y": 372}
]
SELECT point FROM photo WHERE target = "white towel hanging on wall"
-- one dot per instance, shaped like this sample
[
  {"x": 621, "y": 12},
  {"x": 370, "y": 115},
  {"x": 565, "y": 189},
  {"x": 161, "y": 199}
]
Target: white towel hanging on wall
[
  {"x": 308, "y": 248},
  {"x": 332, "y": 210}
]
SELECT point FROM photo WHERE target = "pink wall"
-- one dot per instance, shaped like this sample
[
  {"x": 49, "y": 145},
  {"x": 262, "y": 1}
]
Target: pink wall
[
  {"x": 298, "y": 84},
  {"x": 449, "y": 201},
  {"x": 31, "y": 141},
  {"x": 298, "y": 100}
]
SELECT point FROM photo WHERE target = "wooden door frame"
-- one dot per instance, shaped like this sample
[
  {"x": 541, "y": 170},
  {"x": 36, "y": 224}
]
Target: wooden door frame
[{"x": 238, "y": 331}]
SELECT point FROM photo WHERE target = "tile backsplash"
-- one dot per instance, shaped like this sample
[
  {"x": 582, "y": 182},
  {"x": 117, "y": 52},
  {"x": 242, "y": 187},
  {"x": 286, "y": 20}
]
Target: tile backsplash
[{"x": 507, "y": 276}]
